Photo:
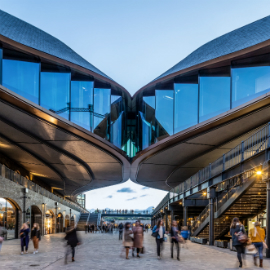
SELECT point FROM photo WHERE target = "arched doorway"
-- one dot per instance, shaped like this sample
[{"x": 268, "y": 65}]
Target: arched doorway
[
  {"x": 59, "y": 223},
  {"x": 33, "y": 215},
  {"x": 49, "y": 222},
  {"x": 9, "y": 218}
]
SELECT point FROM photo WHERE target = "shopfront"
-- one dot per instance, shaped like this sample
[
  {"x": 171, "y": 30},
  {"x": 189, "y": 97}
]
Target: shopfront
[{"x": 9, "y": 218}]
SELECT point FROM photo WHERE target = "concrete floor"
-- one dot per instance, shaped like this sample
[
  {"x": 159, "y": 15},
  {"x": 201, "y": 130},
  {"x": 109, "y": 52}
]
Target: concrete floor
[{"x": 103, "y": 251}]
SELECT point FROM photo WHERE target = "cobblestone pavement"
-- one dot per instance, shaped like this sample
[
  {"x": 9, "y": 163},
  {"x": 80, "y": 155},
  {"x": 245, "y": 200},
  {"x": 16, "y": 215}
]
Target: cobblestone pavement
[{"x": 103, "y": 251}]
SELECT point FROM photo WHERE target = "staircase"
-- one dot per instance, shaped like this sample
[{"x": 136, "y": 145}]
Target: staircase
[
  {"x": 83, "y": 221},
  {"x": 94, "y": 219},
  {"x": 242, "y": 198}
]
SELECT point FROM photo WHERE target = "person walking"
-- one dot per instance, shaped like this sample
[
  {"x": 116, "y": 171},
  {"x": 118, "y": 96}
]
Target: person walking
[
  {"x": 24, "y": 235},
  {"x": 128, "y": 241},
  {"x": 72, "y": 242},
  {"x": 158, "y": 232},
  {"x": 35, "y": 237},
  {"x": 175, "y": 239},
  {"x": 3, "y": 233},
  {"x": 121, "y": 228},
  {"x": 138, "y": 238},
  {"x": 257, "y": 236},
  {"x": 237, "y": 231}
]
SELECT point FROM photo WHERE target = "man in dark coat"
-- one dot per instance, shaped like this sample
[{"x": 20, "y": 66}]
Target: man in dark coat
[{"x": 72, "y": 242}]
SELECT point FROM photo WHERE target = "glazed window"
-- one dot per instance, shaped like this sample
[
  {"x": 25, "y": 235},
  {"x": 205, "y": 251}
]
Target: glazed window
[
  {"x": 186, "y": 106},
  {"x": 82, "y": 103},
  {"x": 55, "y": 92},
  {"x": 22, "y": 78}
]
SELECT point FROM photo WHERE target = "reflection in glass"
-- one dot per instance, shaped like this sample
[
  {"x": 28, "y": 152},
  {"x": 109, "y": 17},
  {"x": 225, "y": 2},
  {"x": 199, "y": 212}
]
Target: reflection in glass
[
  {"x": 185, "y": 106},
  {"x": 116, "y": 121},
  {"x": 147, "y": 131},
  {"x": 249, "y": 83},
  {"x": 82, "y": 103},
  {"x": 8, "y": 218},
  {"x": 102, "y": 109},
  {"x": 22, "y": 78},
  {"x": 214, "y": 96},
  {"x": 164, "y": 113},
  {"x": 54, "y": 92}
]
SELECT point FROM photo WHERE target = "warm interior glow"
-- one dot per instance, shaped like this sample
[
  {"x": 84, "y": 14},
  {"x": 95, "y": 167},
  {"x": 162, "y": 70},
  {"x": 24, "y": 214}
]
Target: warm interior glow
[{"x": 259, "y": 172}]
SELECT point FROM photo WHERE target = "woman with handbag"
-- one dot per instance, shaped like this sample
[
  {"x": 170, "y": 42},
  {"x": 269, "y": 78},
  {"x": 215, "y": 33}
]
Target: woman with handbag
[
  {"x": 175, "y": 239},
  {"x": 24, "y": 235},
  {"x": 257, "y": 236},
  {"x": 158, "y": 233},
  {"x": 128, "y": 240},
  {"x": 239, "y": 239}
]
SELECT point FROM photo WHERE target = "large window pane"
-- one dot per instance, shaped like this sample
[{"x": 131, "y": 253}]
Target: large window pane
[
  {"x": 164, "y": 113},
  {"x": 102, "y": 109},
  {"x": 147, "y": 129},
  {"x": 116, "y": 121},
  {"x": 22, "y": 78},
  {"x": 54, "y": 92},
  {"x": 185, "y": 106},
  {"x": 249, "y": 83},
  {"x": 82, "y": 103},
  {"x": 214, "y": 96}
]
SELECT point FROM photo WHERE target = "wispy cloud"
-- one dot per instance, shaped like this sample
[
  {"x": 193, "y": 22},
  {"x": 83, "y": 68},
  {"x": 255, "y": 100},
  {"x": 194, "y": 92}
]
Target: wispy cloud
[
  {"x": 109, "y": 197},
  {"x": 145, "y": 188},
  {"x": 144, "y": 195},
  {"x": 134, "y": 198},
  {"x": 126, "y": 190}
]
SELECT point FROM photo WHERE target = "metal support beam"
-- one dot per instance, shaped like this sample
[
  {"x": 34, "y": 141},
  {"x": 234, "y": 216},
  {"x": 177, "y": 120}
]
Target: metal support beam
[
  {"x": 211, "y": 222},
  {"x": 211, "y": 194},
  {"x": 268, "y": 220},
  {"x": 166, "y": 220},
  {"x": 185, "y": 215}
]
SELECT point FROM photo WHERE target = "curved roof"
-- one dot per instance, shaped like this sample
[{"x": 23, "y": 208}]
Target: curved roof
[
  {"x": 239, "y": 39},
  {"x": 29, "y": 35}
]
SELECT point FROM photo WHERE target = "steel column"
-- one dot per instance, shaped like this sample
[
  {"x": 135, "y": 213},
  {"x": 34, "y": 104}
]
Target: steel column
[
  {"x": 185, "y": 214},
  {"x": 268, "y": 220}
]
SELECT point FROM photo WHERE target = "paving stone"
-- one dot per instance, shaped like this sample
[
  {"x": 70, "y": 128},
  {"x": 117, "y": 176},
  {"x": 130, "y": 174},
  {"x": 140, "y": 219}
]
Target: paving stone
[{"x": 105, "y": 251}]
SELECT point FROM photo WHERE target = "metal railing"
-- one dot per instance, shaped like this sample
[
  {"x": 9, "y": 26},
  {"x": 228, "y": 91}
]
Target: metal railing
[
  {"x": 200, "y": 219},
  {"x": 252, "y": 146},
  {"x": 18, "y": 179},
  {"x": 125, "y": 212}
]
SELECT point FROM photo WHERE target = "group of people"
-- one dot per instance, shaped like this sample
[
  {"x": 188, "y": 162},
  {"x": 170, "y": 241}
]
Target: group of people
[
  {"x": 90, "y": 228},
  {"x": 253, "y": 241},
  {"x": 133, "y": 238},
  {"x": 35, "y": 236}
]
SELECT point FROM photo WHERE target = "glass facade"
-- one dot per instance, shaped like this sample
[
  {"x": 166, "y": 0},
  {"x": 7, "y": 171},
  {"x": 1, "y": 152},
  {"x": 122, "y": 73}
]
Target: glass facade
[
  {"x": 214, "y": 96},
  {"x": 55, "y": 92},
  {"x": 102, "y": 110},
  {"x": 185, "y": 106},
  {"x": 249, "y": 83},
  {"x": 82, "y": 103},
  {"x": 154, "y": 114},
  {"x": 27, "y": 78}
]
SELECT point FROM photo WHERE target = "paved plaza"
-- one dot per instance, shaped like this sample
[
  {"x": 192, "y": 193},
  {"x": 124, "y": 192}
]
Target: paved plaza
[{"x": 103, "y": 251}]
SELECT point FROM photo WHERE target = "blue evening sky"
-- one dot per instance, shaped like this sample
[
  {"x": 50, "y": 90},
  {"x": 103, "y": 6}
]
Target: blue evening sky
[{"x": 134, "y": 41}]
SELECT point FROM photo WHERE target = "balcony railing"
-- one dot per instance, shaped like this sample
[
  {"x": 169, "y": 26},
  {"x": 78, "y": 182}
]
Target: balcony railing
[
  {"x": 252, "y": 146},
  {"x": 18, "y": 179}
]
